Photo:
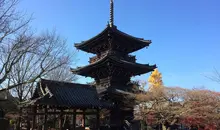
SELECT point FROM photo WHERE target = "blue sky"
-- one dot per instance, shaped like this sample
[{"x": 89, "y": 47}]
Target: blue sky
[{"x": 184, "y": 33}]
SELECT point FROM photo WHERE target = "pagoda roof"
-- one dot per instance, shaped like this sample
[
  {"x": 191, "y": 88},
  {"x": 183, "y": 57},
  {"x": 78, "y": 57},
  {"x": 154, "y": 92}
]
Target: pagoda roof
[
  {"x": 64, "y": 94},
  {"x": 102, "y": 37},
  {"x": 135, "y": 68}
]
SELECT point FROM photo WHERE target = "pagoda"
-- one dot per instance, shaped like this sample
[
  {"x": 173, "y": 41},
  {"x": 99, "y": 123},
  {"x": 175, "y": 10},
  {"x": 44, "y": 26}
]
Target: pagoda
[{"x": 112, "y": 68}]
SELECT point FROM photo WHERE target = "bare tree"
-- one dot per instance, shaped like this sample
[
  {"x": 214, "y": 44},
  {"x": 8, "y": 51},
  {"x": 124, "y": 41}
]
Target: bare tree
[
  {"x": 14, "y": 37},
  {"x": 62, "y": 74},
  {"x": 50, "y": 60},
  {"x": 26, "y": 57},
  {"x": 215, "y": 77}
]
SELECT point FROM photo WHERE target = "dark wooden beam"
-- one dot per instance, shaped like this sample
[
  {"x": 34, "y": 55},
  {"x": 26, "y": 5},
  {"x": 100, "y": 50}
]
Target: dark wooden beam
[
  {"x": 74, "y": 119},
  {"x": 66, "y": 113},
  {"x": 45, "y": 118},
  {"x": 34, "y": 110},
  {"x": 84, "y": 118},
  {"x": 19, "y": 119},
  {"x": 98, "y": 119},
  {"x": 61, "y": 120}
]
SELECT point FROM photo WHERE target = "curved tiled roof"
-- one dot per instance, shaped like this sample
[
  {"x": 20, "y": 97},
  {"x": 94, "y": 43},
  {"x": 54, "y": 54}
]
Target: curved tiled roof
[
  {"x": 122, "y": 62},
  {"x": 64, "y": 94},
  {"x": 96, "y": 40}
]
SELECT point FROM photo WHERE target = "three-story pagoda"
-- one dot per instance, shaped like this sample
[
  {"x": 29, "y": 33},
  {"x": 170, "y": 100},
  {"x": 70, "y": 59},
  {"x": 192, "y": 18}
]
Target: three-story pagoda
[{"x": 113, "y": 67}]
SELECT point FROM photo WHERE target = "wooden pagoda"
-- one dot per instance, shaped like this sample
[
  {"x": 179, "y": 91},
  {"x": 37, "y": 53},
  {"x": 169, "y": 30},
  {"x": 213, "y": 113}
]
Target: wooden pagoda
[
  {"x": 113, "y": 67},
  {"x": 56, "y": 104}
]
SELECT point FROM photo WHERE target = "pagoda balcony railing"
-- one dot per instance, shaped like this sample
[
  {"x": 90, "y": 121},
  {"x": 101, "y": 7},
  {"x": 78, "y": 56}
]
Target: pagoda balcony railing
[
  {"x": 93, "y": 59},
  {"x": 129, "y": 58},
  {"x": 117, "y": 80},
  {"x": 96, "y": 58}
]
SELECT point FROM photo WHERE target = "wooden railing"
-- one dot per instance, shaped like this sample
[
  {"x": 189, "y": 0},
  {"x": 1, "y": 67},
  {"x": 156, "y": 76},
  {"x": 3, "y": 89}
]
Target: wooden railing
[
  {"x": 129, "y": 58},
  {"x": 95, "y": 58}
]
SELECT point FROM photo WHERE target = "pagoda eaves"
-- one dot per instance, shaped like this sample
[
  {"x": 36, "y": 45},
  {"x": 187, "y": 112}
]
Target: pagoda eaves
[
  {"x": 112, "y": 38},
  {"x": 113, "y": 63}
]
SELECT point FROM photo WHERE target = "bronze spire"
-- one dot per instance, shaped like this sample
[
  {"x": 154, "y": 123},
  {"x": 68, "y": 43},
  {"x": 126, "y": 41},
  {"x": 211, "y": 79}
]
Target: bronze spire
[{"x": 111, "y": 13}]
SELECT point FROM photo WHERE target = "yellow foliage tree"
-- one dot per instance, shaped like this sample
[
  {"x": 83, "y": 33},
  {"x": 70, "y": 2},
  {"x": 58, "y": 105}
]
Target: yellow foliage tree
[{"x": 155, "y": 80}]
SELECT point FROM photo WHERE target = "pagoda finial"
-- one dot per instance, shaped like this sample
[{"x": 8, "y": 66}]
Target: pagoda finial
[{"x": 111, "y": 13}]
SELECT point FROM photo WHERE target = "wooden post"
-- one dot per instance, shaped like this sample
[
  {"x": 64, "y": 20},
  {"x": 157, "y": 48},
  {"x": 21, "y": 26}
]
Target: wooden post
[
  {"x": 34, "y": 111},
  {"x": 61, "y": 119},
  {"x": 74, "y": 119},
  {"x": 45, "y": 118},
  {"x": 98, "y": 119},
  {"x": 19, "y": 119},
  {"x": 84, "y": 119}
]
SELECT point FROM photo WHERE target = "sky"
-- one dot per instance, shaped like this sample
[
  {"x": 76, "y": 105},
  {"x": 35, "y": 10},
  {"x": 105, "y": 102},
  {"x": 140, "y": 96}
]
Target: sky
[{"x": 185, "y": 34}]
